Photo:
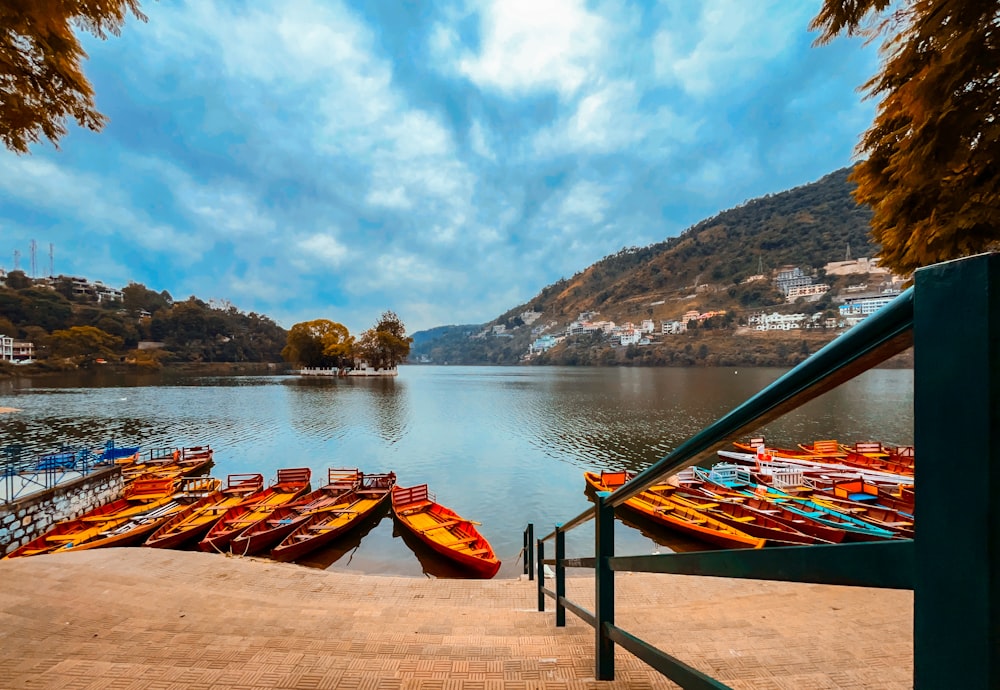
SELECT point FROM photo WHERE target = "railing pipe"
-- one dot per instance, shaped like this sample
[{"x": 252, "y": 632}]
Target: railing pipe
[
  {"x": 541, "y": 575},
  {"x": 560, "y": 577},
  {"x": 956, "y": 420},
  {"x": 526, "y": 548},
  {"x": 529, "y": 556},
  {"x": 882, "y": 335},
  {"x": 604, "y": 583}
]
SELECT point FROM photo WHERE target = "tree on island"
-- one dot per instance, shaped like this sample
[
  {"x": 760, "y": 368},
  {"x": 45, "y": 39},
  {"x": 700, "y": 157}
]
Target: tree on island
[
  {"x": 43, "y": 81},
  {"x": 319, "y": 343},
  {"x": 386, "y": 344},
  {"x": 931, "y": 173}
]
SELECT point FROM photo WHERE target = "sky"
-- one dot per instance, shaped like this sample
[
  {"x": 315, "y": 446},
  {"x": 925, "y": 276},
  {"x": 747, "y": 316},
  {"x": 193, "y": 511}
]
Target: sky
[{"x": 325, "y": 159}]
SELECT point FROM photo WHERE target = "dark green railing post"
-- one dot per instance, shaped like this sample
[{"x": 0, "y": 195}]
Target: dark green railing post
[
  {"x": 956, "y": 597},
  {"x": 560, "y": 577},
  {"x": 541, "y": 575},
  {"x": 529, "y": 543},
  {"x": 604, "y": 577}
]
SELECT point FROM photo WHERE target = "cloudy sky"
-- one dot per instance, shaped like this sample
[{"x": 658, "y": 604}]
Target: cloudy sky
[{"x": 445, "y": 160}]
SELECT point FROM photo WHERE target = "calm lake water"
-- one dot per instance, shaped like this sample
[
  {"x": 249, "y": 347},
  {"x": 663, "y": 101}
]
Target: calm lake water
[{"x": 501, "y": 445}]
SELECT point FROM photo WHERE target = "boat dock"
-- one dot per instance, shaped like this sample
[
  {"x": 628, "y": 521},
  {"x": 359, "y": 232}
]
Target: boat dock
[{"x": 141, "y": 618}]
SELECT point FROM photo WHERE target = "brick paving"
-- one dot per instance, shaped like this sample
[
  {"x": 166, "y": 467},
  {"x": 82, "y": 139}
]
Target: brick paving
[{"x": 150, "y": 619}]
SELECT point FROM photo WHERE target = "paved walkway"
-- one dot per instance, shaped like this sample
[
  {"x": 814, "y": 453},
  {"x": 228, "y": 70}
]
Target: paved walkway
[{"x": 145, "y": 618}]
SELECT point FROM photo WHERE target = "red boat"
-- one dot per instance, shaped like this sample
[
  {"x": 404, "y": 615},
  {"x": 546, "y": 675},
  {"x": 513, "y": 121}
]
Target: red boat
[
  {"x": 290, "y": 484},
  {"x": 443, "y": 530},
  {"x": 192, "y": 524},
  {"x": 282, "y": 521},
  {"x": 324, "y": 526}
]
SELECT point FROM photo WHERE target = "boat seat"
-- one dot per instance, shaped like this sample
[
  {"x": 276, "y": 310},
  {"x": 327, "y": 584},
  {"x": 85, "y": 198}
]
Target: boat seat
[
  {"x": 748, "y": 518},
  {"x": 461, "y": 542},
  {"x": 447, "y": 523},
  {"x": 478, "y": 552}
]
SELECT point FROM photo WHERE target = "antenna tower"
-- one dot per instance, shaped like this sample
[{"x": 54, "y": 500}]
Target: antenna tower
[
  {"x": 52, "y": 272},
  {"x": 17, "y": 260},
  {"x": 34, "y": 248}
]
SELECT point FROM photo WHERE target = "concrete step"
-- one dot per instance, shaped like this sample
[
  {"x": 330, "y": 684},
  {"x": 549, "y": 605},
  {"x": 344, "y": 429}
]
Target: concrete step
[{"x": 148, "y": 618}]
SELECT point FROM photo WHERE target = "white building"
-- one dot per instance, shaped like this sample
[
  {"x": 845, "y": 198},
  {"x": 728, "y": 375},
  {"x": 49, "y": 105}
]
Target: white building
[
  {"x": 863, "y": 305},
  {"x": 673, "y": 327},
  {"x": 776, "y": 321},
  {"x": 791, "y": 276},
  {"x": 814, "y": 291},
  {"x": 543, "y": 343},
  {"x": 631, "y": 337},
  {"x": 6, "y": 349},
  {"x": 648, "y": 326}
]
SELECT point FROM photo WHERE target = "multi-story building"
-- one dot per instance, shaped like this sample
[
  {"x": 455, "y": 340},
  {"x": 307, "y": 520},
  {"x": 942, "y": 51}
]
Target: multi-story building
[
  {"x": 673, "y": 327},
  {"x": 789, "y": 277},
  {"x": 814, "y": 290},
  {"x": 776, "y": 321}
]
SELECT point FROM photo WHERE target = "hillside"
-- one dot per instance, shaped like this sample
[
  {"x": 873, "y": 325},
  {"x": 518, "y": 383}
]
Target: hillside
[{"x": 703, "y": 268}]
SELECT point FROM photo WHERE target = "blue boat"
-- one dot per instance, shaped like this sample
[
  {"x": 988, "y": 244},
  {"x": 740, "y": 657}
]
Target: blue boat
[{"x": 738, "y": 479}]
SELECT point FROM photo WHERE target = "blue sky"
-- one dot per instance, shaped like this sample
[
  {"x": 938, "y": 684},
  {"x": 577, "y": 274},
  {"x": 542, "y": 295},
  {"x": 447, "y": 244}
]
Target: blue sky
[{"x": 444, "y": 160}]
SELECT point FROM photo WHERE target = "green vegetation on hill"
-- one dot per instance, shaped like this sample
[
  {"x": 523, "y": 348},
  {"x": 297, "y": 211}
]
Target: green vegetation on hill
[
  {"x": 703, "y": 268},
  {"x": 79, "y": 328}
]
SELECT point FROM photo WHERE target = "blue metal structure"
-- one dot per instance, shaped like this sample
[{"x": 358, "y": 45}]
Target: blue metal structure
[{"x": 952, "y": 318}]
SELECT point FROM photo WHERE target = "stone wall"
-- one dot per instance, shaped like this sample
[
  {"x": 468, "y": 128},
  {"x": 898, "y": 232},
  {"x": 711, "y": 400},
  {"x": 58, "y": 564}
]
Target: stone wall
[{"x": 31, "y": 516}]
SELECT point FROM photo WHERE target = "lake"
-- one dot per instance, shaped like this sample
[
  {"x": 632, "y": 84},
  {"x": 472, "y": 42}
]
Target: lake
[{"x": 500, "y": 445}]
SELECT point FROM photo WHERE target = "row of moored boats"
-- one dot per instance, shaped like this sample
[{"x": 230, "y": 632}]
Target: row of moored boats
[
  {"x": 166, "y": 505},
  {"x": 819, "y": 493}
]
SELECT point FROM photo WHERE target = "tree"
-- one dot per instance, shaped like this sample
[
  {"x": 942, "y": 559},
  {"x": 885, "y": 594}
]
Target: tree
[
  {"x": 387, "y": 344},
  {"x": 43, "y": 82},
  {"x": 318, "y": 343},
  {"x": 83, "y": 342},
  {"x": 18, "y": 280},
  {"x": 931, "y": 173}
]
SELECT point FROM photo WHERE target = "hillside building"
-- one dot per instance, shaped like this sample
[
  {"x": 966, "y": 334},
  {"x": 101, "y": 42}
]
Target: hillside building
[
  {"x": 789, "y": 277},
  {"x": 810, "y": 292}
]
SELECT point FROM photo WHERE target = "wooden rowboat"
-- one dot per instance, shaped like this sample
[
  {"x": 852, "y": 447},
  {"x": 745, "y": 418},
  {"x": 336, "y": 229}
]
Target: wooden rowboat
[
  {"x": 733, "y": 477},
  {"x": 140, "y": 497},
  {"x": 134, "y": 530},
  {"x": 290, "y": 485},
  {"x": 322, "y": 526},
  {"x": 282, "y": 521},
  {"x": 192, "y": 524},
  {"x": 443, "y": 530},
  {"x": 675, "y": 515}
]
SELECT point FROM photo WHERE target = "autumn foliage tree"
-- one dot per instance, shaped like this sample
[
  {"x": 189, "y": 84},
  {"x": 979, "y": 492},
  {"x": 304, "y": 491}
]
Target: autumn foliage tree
[
  {"x": 930, "y": 172},
  {"x": 43, "y": 81},
  {"x": 84, "y": 343},
  {"x": 387, "y": 344},
  {"x": 319, "y": 343}
]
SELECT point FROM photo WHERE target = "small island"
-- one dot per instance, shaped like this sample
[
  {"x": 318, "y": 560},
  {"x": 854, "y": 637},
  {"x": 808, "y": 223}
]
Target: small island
[{"x": 326, "y": 348}]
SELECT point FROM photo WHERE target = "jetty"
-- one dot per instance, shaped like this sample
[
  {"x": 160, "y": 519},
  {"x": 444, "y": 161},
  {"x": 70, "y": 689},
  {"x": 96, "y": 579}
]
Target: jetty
[{"x": 148, "y": 618}]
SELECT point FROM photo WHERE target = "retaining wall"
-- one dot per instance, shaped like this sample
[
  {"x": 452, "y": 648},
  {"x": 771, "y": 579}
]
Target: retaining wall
[{"x": 31, "y": 516}]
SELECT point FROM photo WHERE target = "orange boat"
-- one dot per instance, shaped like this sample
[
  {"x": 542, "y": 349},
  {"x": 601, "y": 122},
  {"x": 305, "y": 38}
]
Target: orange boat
[
  {"x": 169, "y": 462},
  {"x": 675, "y": 515},
  {"x": 291, "y": 483},
  {"x": 140, "y": 497},
  {"x": 443, "y": 530},
  {"x": 284, "y": 520},
  {"x": 134, "y": 530},
  {"x": 193, "y": 523},
  {"x": 321, "y": 527}
]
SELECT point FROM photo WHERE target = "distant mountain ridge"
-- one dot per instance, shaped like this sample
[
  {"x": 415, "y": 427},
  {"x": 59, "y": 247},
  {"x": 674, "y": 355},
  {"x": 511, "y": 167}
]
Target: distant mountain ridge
[{"x": 705, "y": 266}]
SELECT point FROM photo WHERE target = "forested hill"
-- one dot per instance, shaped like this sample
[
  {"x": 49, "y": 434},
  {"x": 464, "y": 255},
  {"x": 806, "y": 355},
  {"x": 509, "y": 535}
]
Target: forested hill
[{"x": 807, "y": 226}]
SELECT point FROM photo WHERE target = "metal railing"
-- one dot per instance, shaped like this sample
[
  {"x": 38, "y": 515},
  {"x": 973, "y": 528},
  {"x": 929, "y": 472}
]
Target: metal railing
[
  {"x": 22, "y": 476},
  {"x": 952, "y": 318}
]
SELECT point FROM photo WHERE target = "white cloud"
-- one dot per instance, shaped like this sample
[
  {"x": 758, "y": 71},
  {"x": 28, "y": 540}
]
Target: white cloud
[
  {"x": 731, "y": 43},
  {"x": 325, "y": 249},
  {"x": 529, "y": 46}
]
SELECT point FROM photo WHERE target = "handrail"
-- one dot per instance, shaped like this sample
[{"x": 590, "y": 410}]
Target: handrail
[{"x": 885, "y": 333}]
